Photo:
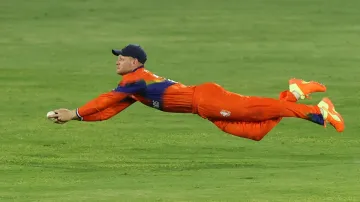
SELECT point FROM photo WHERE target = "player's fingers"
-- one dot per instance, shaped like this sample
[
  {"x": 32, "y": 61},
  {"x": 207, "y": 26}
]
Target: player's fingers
[
  {"x": 59, "y": 121},
  {"x": 62, "y": 118},
  {"x": 60, "y": 110},
  {"x": 56, "y": 115}
]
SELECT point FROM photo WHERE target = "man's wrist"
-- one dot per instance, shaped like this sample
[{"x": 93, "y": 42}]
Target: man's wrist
[{"x": 75, "y": 115}]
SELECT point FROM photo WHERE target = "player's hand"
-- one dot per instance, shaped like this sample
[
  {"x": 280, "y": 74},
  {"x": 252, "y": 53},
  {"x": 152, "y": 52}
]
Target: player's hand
[{"x": 63, "y": 115}]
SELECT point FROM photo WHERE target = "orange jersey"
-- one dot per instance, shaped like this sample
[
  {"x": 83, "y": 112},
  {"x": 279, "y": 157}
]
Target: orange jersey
[{"x": 140, "y": 86}]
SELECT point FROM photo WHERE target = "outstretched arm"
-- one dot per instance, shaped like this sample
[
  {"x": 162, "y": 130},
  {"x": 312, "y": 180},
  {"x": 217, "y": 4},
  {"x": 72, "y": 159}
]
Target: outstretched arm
[
  {"x": 102, "y": 102},
  {"x": 105, "y": 101},
  {"x": 109, "y": 112}
]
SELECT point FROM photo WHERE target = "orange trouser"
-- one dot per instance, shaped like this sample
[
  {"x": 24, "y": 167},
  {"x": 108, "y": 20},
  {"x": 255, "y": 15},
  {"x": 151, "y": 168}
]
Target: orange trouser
[{"x": 249, "y": 116}]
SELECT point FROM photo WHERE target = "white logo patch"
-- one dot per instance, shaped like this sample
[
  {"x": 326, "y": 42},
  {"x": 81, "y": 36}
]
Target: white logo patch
[
  {"x": 156, "y": 104},
  {"x": 225, "y": 113}
]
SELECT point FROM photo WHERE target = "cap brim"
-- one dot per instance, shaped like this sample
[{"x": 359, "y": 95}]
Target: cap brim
[{"x": 116, "y": 52}]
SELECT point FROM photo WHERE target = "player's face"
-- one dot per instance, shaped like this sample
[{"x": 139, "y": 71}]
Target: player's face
[{"x": 125, "y": 64}]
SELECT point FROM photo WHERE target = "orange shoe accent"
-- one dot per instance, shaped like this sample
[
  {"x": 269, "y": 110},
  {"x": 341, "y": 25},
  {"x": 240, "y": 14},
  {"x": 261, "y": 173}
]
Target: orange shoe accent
[
  {"x": 331, "y": 115},
  {"x": 305, "y": 88}
]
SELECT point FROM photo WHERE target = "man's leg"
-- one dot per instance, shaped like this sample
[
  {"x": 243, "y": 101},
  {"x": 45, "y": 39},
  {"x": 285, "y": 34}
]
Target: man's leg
[
  {"x": 254, "y": 130},
  {"x": 215, "y": 103},
  {"x": 257, "y": 130}
]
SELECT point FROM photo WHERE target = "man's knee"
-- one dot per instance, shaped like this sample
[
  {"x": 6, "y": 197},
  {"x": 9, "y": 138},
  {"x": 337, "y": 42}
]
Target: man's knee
[
  {"x": 240, "y": 130},
  {"x": 250, "y": 130},
  {"x": 256, "y": 136}
]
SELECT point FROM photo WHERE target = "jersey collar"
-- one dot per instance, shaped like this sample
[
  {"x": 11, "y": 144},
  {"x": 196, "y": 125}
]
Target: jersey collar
[{"x": 137, "y": 68}]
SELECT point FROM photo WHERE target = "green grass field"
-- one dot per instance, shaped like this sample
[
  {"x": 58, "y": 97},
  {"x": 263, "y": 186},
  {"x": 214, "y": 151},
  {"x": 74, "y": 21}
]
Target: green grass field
[{"x": 58, "y": 54}]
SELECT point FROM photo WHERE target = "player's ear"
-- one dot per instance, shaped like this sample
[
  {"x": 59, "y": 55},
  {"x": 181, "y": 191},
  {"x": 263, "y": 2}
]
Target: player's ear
[{"x": 135, "y": 62}]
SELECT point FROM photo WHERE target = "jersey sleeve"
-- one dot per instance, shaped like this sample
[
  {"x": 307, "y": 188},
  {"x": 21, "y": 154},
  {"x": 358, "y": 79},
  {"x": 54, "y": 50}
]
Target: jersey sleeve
[
  {"x": 110, "y": 111},
  {"x": 106, "y": 100}
]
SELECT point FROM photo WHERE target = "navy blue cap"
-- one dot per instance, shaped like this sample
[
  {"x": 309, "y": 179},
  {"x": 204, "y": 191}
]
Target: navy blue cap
[{"x": 132, "y": 50}]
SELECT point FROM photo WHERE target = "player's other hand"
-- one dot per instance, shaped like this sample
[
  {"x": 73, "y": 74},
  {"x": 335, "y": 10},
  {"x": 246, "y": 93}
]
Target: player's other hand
[{"x": 63, "y": 115}]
